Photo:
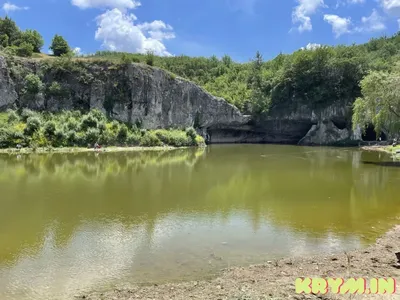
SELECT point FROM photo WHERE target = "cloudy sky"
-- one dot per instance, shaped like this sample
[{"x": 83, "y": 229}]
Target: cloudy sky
[{"x": 205, "y": 27}]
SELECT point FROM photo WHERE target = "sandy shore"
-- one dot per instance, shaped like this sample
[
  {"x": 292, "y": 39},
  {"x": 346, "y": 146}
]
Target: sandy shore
[
  {"x": 387, "y": 149},
  {"x": 275, "y": 280},
  {"x": 80, "y": 150}
]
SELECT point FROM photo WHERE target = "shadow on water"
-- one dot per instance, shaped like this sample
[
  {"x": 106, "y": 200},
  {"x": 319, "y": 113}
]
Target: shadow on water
[{"x": 383, "y": 163}]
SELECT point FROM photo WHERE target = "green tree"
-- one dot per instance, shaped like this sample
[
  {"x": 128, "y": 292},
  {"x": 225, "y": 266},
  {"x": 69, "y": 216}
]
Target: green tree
[
  {"x": 380, "y": 102},
  {"x": 9, "y": 28},
  {"x": 59, "y": 46},
  {"x": 34, "y": 38},
  {"x": 258, "y": 97},
  {"x": 24, "y": 50},
  {"x": 4, "y": 40}
]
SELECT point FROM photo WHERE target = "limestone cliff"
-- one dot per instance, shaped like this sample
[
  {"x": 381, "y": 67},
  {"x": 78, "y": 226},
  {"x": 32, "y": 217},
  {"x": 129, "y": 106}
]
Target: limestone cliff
[
  {"x": 133, "y": 93},
  {"x": 303, "y": 125},
  {"x": 154, "y": 98}
]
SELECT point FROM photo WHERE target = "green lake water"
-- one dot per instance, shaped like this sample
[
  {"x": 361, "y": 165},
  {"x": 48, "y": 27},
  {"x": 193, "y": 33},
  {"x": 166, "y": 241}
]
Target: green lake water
[{"x": 80, "y": 222}]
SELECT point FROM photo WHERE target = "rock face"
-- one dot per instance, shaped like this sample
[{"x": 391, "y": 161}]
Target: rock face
[
  {"x": 8, "y": 96},
  {"x": 154, "y": 98},
  {"x": 132, "y": 93},
  {"x": 303, "y": 126}
]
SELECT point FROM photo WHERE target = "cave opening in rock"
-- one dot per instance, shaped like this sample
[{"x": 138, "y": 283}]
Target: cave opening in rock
[
  {"x": 340, "y": 124},
  {"x": 370, "y": 134}
]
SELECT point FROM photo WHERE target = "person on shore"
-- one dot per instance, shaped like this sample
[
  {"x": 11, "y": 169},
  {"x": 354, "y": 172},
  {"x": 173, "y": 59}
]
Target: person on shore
[{"x": 97, "y": 146}]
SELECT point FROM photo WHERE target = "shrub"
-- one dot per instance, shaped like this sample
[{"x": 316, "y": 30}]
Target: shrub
[
  {"x": 199, "y": 141},
  {"x": 24, "y": 50},
  {"x": 174, "y": 138},
  {"x": 60, "y": 138},
  {"x": 125, "y": 59},
  {"x": 5, "y": 137},
  {"x": 92, "y": 136},
  {"x": 102, "y": 126},
  {"x": 38, "y": 140},
  {"x": 26, "y": 114},
  {"x": 191, "y": 133},
  {"x": 150, "y": 139},
  {"x": 32, "y": 126},
  {"x": 55, "y": 90},
  {"x": 88, "y": 121},
  {"x": 150, "y": 58},
  {"x": 133, "y": 139},
  {"x": 122, "y": 133},
  {"x": 71, "y": 138},
  {"x": 49, "y": 129},
  {"x": 72, "y": 124},
  {"x": 12, "y": 116},
  {"x": 33, "y": 84},
  {"x": 115, "y": 126},
  {"x": 98, "y": 115}
]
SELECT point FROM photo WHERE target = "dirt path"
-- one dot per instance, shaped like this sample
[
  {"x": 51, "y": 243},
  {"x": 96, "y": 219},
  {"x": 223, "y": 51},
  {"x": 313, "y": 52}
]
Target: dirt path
[{"x": 275, "y": 280}]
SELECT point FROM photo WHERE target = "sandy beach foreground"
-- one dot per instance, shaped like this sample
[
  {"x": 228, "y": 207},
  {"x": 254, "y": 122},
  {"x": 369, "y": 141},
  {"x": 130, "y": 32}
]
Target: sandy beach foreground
[{"x": 276, "y": 280}]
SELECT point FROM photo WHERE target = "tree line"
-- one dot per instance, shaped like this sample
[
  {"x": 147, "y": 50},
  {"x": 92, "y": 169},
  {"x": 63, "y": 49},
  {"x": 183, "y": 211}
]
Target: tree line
[
  {"x": 25, "y": 43},
  {"x": 315, "y": 78}
]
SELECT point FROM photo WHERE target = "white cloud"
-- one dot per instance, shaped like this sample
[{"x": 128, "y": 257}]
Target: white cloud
[
  {"x": 311, "y": 46},
  {"x": 391, "y": 6},
  {"x": 118, "y": 32},
  {"x": 121, "y": 4},
  {"x": 302, "y": 13},
  {"x": 339, "y": 25},
  {"x": 372, "y": 23},
  {"x": 348, "y": 2},
  {"x": 7, "y": 7},
  {"x": 77, "y": 51}
]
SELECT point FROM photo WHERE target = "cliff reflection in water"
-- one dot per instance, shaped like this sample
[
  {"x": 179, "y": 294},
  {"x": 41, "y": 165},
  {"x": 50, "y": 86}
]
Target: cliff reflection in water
[{"x": 83, "y": 221}]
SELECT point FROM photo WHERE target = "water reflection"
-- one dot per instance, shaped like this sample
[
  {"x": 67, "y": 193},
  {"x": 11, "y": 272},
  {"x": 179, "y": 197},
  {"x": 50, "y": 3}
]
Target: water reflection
[{"x": 84, "y": 221}]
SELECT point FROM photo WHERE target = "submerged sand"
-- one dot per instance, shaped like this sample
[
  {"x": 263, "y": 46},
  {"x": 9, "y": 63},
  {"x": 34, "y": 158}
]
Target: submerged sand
[{"x": 276, "y": 280}]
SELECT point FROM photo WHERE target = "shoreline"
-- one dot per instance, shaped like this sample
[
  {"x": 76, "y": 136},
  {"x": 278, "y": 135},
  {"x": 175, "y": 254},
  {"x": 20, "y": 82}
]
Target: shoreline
[
  {"x": 276, "y": 280},
  {"x": 44, "y": 150},
  {"x": 378, "y": 148},
  {"x": 112, "y": 149}
]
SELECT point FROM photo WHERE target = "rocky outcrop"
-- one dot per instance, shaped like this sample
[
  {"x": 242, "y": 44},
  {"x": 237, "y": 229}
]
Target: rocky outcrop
[
  {"x": 303, "y": 126},
  {"x": 154, "y": 98},
  {"x": 8, "y": 96},
  {"x": 133, "y": 93}
]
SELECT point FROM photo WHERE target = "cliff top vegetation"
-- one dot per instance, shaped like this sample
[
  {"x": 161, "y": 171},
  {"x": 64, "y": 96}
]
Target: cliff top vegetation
[{"x": 316, "y": 77}]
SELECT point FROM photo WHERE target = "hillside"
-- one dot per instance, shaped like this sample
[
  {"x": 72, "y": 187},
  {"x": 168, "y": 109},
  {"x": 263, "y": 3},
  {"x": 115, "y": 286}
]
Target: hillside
[{"x": 306, "y": 97}]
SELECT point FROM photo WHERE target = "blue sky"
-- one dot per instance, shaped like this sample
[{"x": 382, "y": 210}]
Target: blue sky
[{"x": 205, "y": 27}]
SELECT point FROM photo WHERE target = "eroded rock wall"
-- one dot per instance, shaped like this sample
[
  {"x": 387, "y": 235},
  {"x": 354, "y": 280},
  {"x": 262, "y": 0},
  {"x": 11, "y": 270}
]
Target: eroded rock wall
[
  {"x": 154, "y": 98},
  {"x": 133, "y": 93}
]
